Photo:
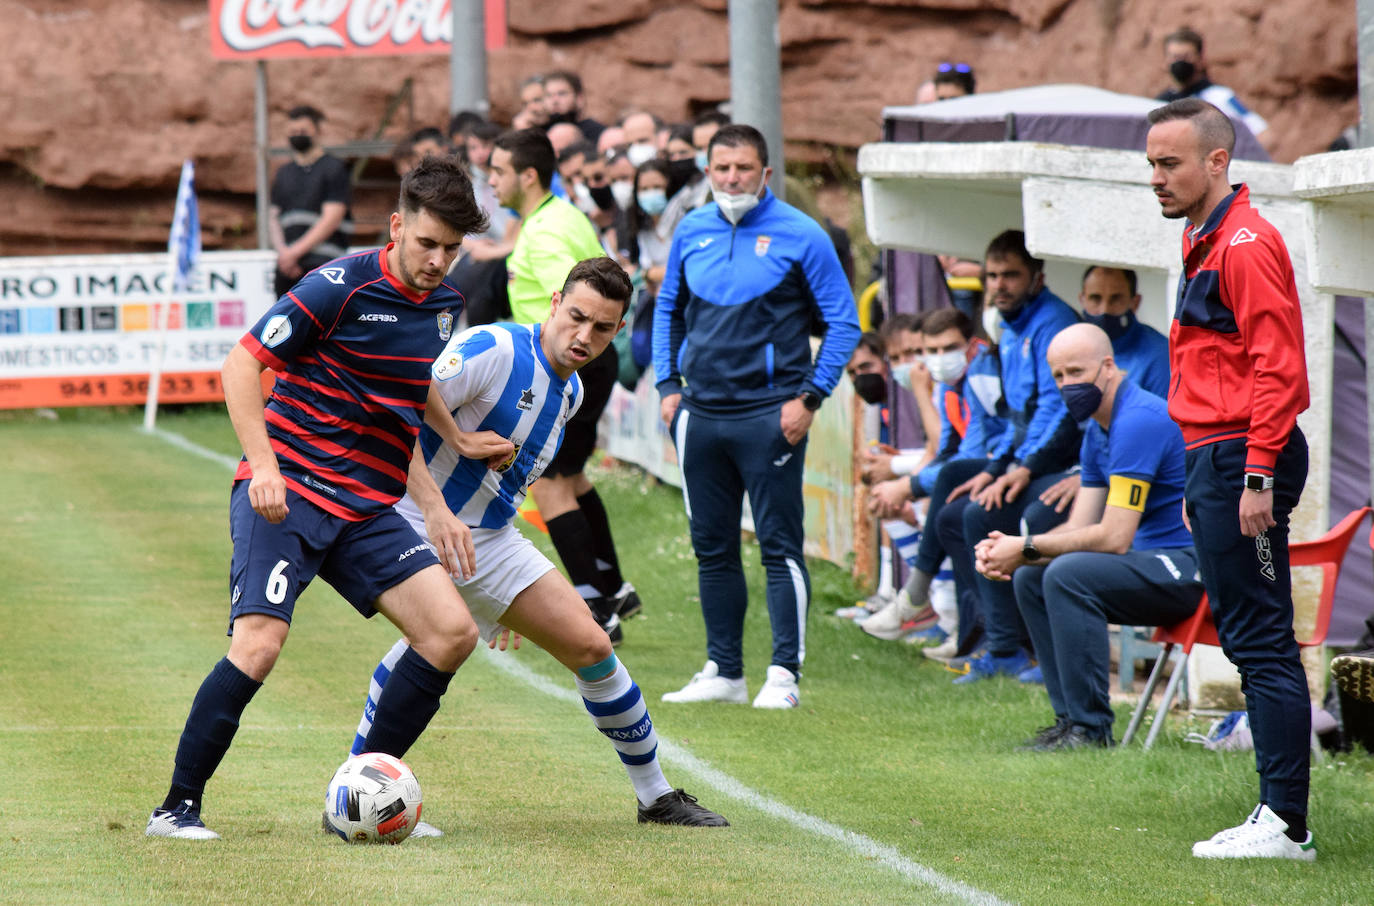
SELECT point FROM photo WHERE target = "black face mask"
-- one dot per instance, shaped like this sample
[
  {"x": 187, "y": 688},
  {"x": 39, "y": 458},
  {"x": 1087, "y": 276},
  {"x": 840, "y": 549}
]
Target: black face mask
[
  {"x": 301, "y": 143},
  {"x": 1182, "y": 71},
  {"x": 568, "y": 117},
  {"x": 680, "y": 172},
  {"x": 871, "y": 388},
  {"x": 604, "y": 198}
]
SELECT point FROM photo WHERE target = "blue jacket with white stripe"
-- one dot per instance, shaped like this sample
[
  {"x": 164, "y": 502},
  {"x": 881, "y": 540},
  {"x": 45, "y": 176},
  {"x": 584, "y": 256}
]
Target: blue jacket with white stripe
[{"x": 734, "y": 316}]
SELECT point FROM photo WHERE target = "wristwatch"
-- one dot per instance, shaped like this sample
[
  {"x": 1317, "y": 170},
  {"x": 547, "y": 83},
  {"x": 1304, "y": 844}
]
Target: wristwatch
[
  {"x": 1254, "y": 481},
  {"x": 810, "y": 399},
  {"x": 1028, "y": 549}
]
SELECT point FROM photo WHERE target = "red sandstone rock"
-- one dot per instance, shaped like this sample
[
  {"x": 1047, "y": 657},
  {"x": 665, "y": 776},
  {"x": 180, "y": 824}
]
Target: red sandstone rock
[{"x": 103, "y": 100}]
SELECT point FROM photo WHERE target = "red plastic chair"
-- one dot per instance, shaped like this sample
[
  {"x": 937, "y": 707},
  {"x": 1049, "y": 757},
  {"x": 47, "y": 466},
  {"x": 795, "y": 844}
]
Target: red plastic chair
[{"x": 1327, "y": 552}]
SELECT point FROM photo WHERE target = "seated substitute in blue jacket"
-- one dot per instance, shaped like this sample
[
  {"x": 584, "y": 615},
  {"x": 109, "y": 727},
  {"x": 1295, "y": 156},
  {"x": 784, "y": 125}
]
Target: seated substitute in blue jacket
[
  {"x": 748, "y": 279},
  {"x": 1124, "y": 556},
  {"x": 1110, "y": 301}
]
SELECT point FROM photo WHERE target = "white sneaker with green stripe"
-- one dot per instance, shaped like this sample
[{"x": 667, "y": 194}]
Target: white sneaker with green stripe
[{"x": 1262, "y": 836}]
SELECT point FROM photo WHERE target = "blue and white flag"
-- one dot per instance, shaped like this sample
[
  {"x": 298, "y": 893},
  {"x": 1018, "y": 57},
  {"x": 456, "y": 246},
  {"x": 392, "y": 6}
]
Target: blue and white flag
[{"x": 184, "y": 242}]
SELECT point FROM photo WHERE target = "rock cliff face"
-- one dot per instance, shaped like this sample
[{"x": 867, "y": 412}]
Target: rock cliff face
[{"x": 103, "y": 99}]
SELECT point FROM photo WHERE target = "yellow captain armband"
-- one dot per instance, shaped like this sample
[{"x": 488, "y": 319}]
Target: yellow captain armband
[{"x": 1127, "y": 493}]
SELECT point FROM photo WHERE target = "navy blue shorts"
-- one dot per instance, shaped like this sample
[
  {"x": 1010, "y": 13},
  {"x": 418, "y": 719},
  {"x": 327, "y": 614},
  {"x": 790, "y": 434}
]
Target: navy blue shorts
[{"x": 273, "y": 564}]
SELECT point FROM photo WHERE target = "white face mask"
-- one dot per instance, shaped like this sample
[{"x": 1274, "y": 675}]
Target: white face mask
[
  {"x": 640, "y": 152},
  {"x": 947, "y": 367},
  {"x": 992, "y": 323},
  {"x": 624, "y": 192},
  {"x": 582, "y": 197},
  {"x": 902, "y": 375},
  {"x": 734, "y": 207}
]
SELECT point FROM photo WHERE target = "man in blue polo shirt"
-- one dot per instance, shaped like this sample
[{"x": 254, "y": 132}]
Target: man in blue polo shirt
[{"x": 1124, "y": 556}]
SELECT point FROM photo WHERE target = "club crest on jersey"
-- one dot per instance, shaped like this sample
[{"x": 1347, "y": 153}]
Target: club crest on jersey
[
  {"x": 761, "y": 245},
  {"x": 526, "y": 399},
  {"x": 276, "y": 330},
  {"x": 508, "y": 461},
  {"x": 450, "y": 366},
  {"x": 445, "y": 319},
  {"x": 334, "y": 275}
]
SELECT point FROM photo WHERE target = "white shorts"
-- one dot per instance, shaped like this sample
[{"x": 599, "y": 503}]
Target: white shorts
[{"x": 507, "y": 564}]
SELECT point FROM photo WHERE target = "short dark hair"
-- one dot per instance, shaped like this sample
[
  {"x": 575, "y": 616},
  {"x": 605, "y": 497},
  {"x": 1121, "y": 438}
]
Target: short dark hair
[
  {"x": 485, "y": 131},
  {"x": 530, "y": 148},
  {"x": 942, "y": 319},
  {"x": 872, "y": 340},
  {"x": 1214, "y": 129},
  {"x": 463, "y": 121},
  {"x": 428, "y": 133},
  {"x": 1184, "y": 35},
  {"x": 305, "y": 112},
  {"x": 737, "y": 135},
  {"x": 1013, "y": 242},
  {"x": 440, "y": 185},
  {"x": 1125, "y": 272},
  {"x": 584, "y": 148},
  {"x": 711, "y": 117},
  {"x": 911, "y": 323},
  {"x": 562, "y": 75},
  {"x": 602, "y": 275}
]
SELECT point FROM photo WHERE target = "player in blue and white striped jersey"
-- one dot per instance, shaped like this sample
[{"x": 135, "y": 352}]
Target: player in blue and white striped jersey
[{"x": 507, "y": 391}]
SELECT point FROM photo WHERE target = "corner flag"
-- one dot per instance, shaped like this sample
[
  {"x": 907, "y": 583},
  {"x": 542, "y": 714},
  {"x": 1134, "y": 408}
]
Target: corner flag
[
  {"x": 183, "y": 251},
  {"x": 184, "y": 242}
]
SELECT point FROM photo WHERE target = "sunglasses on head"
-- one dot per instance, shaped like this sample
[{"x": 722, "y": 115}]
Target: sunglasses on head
[{"x": 954, "y": 67}]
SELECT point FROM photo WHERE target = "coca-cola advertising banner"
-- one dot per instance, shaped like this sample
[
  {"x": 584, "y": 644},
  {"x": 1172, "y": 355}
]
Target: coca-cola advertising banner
[{"x": 276, "y": 29}]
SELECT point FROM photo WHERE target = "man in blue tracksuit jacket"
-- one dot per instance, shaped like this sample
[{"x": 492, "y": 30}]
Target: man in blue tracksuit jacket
[
  {"x": 1042, "y": 443},
  {"x": 748, "y": 278}
]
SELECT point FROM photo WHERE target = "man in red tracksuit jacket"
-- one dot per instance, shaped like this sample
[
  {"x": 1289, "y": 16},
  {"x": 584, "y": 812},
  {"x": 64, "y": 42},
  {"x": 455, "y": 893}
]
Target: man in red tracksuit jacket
[{"x": 1238, "y": 379}]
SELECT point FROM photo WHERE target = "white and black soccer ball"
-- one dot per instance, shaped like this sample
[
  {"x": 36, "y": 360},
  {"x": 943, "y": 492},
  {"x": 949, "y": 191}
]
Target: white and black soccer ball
[{"x": 373, "y": 798}]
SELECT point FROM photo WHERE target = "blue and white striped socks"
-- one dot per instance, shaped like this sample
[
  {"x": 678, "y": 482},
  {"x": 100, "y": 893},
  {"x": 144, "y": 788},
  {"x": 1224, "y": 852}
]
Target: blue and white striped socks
[
  {"x": 618, "y": 711},
  {"x": 374, "y": 693}
]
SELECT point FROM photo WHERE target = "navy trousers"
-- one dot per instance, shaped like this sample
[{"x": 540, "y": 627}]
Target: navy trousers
[
  {"x": 1250, "y": 589},
  {"x": 721, "y": 460},
  {"x": 962, "y": 524},
  {"x": 1068, "y": 603}
]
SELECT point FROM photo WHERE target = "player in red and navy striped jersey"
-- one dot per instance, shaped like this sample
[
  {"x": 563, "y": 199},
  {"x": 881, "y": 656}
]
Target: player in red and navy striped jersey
[{"x": 352, "y": 344}]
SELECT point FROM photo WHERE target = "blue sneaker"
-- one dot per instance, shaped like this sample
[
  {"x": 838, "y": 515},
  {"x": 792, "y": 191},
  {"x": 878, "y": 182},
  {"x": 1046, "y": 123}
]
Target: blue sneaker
[
  {"x": 960, "y": 665},
  {"x": 988, "y": 666},
  {"x": 933, "y": 635},
  {"x": 181, "y": 823},
  {"x": 1031, "y": 675}
]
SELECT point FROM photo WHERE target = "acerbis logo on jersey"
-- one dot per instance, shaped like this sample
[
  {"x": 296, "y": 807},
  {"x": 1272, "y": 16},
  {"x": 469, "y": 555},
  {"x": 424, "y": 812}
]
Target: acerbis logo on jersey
[
  {"x": 445, "y": 319},
  {"x": 377, "y": 316},
  {"x": 276, "y": 330},
  {"x": 334, "y": 275},
  {"x": 1243, "y": 236},
  {"x": 425, "y": 546}
]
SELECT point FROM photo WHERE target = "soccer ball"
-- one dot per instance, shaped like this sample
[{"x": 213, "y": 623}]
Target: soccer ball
[{"x": 372, "y": 798}]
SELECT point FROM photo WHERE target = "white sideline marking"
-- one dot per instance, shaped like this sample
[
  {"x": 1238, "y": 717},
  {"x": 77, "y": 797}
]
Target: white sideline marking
[{"x": 722, "y": 782}]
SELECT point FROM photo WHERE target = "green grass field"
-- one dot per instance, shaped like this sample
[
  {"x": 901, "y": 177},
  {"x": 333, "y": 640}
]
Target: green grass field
[{"x": 114, "y": 557}]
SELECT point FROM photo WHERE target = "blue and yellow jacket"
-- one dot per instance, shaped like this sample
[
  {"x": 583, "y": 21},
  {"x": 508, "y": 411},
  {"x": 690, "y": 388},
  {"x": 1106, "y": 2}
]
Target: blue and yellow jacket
[{"x": 734, "y": 316}]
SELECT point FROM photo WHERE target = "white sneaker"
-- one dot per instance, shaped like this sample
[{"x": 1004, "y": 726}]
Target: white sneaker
[
  {"x": 1260, "y": 837},
  {"x": 779, "y": 690},
  {"x": 425, "y": 829},
  {"x": 943, "y": 652},
  {"x": 887, "y": 623},
  {"x": 180, "y": 823},
  {"x": 710, "y": 686}
]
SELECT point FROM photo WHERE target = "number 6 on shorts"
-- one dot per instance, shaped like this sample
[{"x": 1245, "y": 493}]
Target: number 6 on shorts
[{"x": 277, "y": 583}]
